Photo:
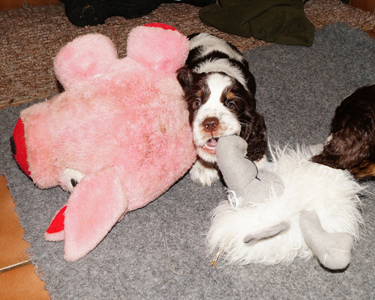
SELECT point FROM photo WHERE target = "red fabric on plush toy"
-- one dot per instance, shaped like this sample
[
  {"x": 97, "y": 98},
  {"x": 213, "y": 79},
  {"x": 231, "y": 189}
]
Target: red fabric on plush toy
[{"x": 116, "y": 138}]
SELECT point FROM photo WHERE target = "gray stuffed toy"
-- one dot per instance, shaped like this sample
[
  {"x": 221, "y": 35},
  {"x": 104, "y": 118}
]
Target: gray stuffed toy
[{"x": 289, "y": 208}]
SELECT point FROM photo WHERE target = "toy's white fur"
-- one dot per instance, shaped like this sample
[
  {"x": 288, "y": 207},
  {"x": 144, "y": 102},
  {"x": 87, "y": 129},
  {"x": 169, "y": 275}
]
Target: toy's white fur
[{"x": 332, "y": 193}]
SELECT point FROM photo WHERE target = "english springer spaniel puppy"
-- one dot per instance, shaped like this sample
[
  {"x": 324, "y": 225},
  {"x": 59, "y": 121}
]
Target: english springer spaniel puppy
[
  {"x": 351, "y": 144},
  {"x": 219, "y": 90}
]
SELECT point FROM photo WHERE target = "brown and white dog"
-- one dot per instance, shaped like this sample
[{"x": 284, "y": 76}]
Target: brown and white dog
[
  {"x": 219, "y": 90},
  {"x": 351, "y": 144}
]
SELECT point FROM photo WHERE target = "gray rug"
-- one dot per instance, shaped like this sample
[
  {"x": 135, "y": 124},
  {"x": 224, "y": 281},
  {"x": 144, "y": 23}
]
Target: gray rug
[{"x": 158, "y": 252}]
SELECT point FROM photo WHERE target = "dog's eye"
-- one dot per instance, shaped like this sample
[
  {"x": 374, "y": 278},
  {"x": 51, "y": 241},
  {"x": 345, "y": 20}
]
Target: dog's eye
[
  {"x": 229, "y": 104},
  {"x": 196, "y": 103}
]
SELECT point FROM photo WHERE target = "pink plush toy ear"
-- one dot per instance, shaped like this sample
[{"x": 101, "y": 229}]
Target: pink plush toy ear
[
  {"x": 158, "y": 46},
  {"x": 84, "y": 58}
]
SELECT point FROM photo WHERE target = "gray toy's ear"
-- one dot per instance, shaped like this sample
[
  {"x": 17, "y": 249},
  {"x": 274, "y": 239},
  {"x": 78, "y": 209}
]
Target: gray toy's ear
[{"x": 266, "y": 233}]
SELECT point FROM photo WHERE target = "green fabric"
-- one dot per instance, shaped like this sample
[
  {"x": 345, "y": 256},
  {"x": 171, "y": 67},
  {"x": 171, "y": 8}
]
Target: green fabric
[{"x": 279, "y": 21}]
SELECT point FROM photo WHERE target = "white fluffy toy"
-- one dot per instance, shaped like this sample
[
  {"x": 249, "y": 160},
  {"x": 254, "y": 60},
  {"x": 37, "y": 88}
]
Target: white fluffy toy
[{"x": 290, "y": 208}]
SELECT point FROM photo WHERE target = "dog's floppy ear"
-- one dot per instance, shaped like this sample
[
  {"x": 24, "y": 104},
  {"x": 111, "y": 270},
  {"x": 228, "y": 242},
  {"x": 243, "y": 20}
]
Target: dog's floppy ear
[
  {"x": 255, "y": 134},
  {"x": 344, "y": 150},
  {"x": 186, "y": 79}
]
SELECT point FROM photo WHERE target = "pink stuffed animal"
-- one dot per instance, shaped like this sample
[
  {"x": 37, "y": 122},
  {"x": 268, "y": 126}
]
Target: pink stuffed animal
[{"x": 116, "y": 138}]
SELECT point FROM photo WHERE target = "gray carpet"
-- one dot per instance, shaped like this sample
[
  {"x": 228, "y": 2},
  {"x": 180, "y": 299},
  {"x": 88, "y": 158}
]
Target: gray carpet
[{"x": 158, "y": 252}]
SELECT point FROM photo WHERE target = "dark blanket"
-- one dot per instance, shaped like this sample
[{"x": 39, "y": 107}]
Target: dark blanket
[
  {"x": 279, "y": 21},
  {"x": 159, "y": 251}
]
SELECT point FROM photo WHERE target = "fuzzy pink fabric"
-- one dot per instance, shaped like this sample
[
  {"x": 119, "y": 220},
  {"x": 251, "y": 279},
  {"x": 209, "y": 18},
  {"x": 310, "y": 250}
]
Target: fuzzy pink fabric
[{"x": 122, "y": 123}]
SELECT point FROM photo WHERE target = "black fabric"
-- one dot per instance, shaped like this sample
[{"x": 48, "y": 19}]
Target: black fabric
[
  {"x": 93, "y": 12},
  {"x": 279, "y": 21}
]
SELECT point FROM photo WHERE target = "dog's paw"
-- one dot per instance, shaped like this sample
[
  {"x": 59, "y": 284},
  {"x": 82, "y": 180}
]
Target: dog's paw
[
  {"x": 203, "y": 174},
  {"x": 261, "y": 164}
]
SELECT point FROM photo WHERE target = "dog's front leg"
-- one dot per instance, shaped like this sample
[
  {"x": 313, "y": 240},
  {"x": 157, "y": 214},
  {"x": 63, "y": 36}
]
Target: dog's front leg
[{"x": 204, "y": 173}]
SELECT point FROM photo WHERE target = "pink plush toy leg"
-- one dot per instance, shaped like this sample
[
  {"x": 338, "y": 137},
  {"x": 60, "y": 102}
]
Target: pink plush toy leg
[{"x": 94, "y": 207}]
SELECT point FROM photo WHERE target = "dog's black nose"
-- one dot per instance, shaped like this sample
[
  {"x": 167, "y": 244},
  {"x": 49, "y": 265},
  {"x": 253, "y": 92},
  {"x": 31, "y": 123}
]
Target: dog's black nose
[{"x": 210, "y": 124}]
